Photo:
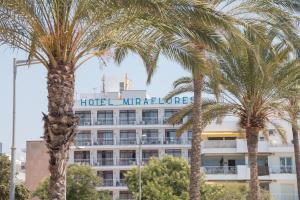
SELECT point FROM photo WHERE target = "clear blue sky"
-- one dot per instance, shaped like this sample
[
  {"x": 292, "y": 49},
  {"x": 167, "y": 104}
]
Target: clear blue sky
[{"x": 32, "y": 93}]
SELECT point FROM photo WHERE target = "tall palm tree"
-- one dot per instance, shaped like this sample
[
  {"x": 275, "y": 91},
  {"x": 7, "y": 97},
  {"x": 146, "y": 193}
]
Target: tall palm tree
[
  {"x": 249, "y": 85},
  {"x": 62, "y": 35}
]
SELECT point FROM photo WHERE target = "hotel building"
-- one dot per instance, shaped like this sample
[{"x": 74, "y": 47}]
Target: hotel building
[{"x": 115, "y": 126}]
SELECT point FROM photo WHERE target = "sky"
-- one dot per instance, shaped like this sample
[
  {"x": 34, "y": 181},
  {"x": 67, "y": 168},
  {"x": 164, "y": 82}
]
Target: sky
[{"x": 32, "y": 92}]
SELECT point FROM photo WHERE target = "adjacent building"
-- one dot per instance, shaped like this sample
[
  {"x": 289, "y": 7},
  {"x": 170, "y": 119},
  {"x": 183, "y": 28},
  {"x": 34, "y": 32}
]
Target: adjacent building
[{"x": 119, "y": 130}]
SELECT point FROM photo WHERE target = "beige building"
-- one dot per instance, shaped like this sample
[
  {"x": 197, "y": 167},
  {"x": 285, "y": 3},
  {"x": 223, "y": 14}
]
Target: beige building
[{"x": 36, "y": 166}]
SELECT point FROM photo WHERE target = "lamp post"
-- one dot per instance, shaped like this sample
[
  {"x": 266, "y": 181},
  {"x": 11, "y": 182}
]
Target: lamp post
[
  {"x": 140, "y": 164},
  {"x": 12, "y": 186}
]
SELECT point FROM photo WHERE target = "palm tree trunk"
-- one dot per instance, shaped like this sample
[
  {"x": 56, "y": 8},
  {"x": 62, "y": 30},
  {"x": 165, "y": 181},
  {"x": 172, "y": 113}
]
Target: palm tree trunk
[
  {"x": 297, "y": 156},
  {"x": 60, "y": 125},
  {"x": 252, "y": 143},
  {"x": 196, "y": 139}
]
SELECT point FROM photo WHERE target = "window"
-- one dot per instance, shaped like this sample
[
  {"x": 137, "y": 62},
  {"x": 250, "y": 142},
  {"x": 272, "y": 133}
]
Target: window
[
  {"x": 107, "y": 177},
  {"x": 127, "y": 117},
  {"x": 150, "y": 116},
  {"x": 170, "y": 137},
  {"x": 83, "y": 138},
  {"x": 150, "y": 136},
  {"x": 85, "y": 118},
  {"x": 127, "y": 157},
  {"x": 271, "y": 132},
  {"x": 128, "y": 137},
  {"x": 104, "y": 158},
  {"x": 285, "y": 164},
  {"x": 105, "y": 137},
  {"x": 169, "y": 113},
  {"x": 82, "y": 157},
  {"x": 147, "y": 154},
  {"x": 104, "y": 117},
  {"x": 173, "y": 152}
]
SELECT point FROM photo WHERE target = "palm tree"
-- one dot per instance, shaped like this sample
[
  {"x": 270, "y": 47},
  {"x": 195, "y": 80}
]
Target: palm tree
[
  {"x": 250, "y": 86},
  {"x": 62, "y": 35}
]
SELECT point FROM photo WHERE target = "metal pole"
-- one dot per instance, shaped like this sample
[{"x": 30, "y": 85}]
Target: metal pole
[
  {"x": 140, "y": 173},
  {"x": 13, "y": 147}
]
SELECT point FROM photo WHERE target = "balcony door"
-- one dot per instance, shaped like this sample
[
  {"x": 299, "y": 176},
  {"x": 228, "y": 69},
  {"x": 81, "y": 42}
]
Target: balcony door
[
  {"x": 127, "y": 117},
  {"x": 105, "y": 137},
  {"x": 85, "y": 118}
]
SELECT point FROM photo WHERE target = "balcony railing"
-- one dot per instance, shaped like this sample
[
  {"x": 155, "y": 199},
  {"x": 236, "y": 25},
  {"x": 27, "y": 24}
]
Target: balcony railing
[
  {"x": 173, "y": 140},
  {"x": 83, "y": 142},
  {"x": 219, "y": 169},
  {"x": 89, "y": 121},
  {"x": 107, "y": 183},
  {"x": 104, "y": 121},
  {"x": 151, "y": 140},
  {"x": 127, "y": 141},
  {"x": 121, "y": 183},
  {"x": 104, "y": 162},
  {"x": 219, "y": 144},
  {"x": 150, "y": 120},
  {"x": 101, "y": 141},
  {"x": 127, "y": 161},
  {"x": 82, "y": 161},
  {"x": 282, "y": 170},
  {"x": 85, "y": 122},
  {"x": 127, "y": 121}
]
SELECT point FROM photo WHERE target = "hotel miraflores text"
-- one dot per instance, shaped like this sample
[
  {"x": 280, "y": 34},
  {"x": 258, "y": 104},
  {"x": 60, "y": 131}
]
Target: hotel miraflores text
[{"x": 135, "y": 101}]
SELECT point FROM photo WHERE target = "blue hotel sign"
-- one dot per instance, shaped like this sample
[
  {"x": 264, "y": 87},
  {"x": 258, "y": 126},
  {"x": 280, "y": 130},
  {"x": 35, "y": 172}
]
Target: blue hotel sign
[{"x": 135, "y": 101}]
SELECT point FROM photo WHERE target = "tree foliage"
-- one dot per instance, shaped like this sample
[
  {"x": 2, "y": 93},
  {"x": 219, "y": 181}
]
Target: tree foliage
[
  {"x": 21, "y": 193},
  {"x": 169, "y": 179},
  {"x": 81, "y": 184}
]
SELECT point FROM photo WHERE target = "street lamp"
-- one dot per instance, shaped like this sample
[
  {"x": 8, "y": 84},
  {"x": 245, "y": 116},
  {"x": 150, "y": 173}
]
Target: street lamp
[
  {"x": 140, "y": 164},
  {"x": 16, "y": 63}
]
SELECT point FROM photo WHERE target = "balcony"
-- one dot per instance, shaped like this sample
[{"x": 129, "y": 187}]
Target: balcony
[
  {"x": 104, "y": 162},
  {"x": 82, "y": 161},
  {"x": 220, "y": 169},
  {"x": 151, "y": 140},
  {"x": 101, "y": 141},
  {"x": 219, "y": 144},
  {"x": 104, "y": 121},
  {"x": 83, "y": 142},
  {"x": 127, "y": 161}
]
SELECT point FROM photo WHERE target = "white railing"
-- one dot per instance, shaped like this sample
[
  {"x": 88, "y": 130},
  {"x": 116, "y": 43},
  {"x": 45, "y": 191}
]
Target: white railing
[
  {"x": 219, "y": 169},
  {"x": 121, "y": 183},
  {"x": 284, "y": 196},
  {"x": 173, "y": 140},
  {"x": 127, "y": 121},
  {"x": 85, "y": 122},
  {"x": 219, "y": 143}
]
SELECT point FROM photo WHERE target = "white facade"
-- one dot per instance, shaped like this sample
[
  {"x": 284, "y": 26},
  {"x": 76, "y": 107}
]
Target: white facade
[{"x": 110, "y": 132}]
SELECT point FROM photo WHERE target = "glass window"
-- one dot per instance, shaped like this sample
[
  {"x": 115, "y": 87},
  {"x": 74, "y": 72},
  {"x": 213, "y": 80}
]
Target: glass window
[
  {"x": 105, "y": 117},
  {"x": 127, "y": 116},
  {"x": 85, "y": 117},
  {"x": 150, "y": 116}
]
